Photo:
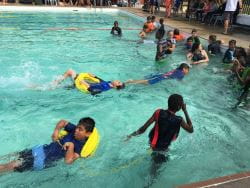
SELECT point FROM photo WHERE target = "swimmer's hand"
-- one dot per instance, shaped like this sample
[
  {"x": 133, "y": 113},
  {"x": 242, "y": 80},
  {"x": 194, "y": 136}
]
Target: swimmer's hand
[
  {"x": 55, "y": 135},
  {"x": 127, "y": 138},
  {"x": 68, "y": 145},
  {"x": 184, "y": 108}
]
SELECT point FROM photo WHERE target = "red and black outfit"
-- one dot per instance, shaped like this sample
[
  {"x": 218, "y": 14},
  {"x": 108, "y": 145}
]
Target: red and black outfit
[{"x": 166, "y": 129}]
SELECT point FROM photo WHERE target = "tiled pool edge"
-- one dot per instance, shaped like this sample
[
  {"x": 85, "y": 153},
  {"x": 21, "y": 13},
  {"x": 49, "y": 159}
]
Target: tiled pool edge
[{"x": 227, "y": 181}]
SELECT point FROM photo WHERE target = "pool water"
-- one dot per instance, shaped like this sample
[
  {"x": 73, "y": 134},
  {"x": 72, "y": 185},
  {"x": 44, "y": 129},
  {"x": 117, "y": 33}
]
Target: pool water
[{"x": 37, "y": 47}]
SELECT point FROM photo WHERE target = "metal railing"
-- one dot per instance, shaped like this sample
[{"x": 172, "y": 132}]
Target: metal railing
[{"x": 246, "y": 7}]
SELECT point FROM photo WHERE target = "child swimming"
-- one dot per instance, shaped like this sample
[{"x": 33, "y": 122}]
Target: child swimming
[{"x": 178, "y": 74}]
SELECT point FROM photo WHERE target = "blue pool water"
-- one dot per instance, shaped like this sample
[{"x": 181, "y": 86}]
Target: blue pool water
[{"x": 37, "y": 47}]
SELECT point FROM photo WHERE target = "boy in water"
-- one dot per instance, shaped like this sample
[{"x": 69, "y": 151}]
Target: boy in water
[
  {"x": 116, "y": 30},
  {"x": 178, "y": 74},
  {"x": 214, "y": 45},
  {"x": 192, "y": 39},
  {"x": 93, "y": 88},
  {"x": 165, "y": 47},
  {"x": 166, "y": 129},
  {"x": 230, "y": 53},
  {"x": 69, "y": 147}
]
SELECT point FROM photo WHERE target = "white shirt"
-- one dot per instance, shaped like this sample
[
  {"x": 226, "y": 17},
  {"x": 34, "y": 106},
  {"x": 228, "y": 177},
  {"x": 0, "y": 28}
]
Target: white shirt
[{"x": 231, "y": 5}]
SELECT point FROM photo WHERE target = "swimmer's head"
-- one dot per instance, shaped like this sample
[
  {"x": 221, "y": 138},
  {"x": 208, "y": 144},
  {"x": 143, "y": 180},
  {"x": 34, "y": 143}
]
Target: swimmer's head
[
  {"x": 153, "y": 18},
  {"x": 184, "y": 67},
  {"x": 194, "y": 32},
  {"x": 161, "y": 21},
  {"x": 170, "y": 34},
  {"x": 149, "y": 19},
  {"x": 175, "y": 102},
  {"x": 176, "y": 32},
  {"x": 196, "y": 46},
  {"x": 232, "y": 44},
  {"x": 118, "y": 84},
  {"x": 212, "y": 38},
  {"x": 84, "y": 128},
  {"x": 116, "y": 23}
]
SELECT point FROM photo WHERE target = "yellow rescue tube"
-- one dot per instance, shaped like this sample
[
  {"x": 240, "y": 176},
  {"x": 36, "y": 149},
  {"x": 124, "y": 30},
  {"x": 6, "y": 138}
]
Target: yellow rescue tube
[
  {"x": 85, "y": 77},
  {"x": 90, "y": 146}
]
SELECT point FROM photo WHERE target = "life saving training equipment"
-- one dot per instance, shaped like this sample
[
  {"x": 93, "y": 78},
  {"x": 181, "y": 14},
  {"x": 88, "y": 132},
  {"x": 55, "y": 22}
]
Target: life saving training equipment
[
  {"x": 90, "y": 146},
  {"x": 85, "y": 77}
]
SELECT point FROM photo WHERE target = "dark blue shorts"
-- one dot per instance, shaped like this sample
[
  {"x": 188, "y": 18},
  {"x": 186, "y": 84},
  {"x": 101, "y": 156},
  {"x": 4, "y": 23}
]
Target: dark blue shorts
[
  {"x": 155, "y": 79},
  {"x": 27, "y": 160}
]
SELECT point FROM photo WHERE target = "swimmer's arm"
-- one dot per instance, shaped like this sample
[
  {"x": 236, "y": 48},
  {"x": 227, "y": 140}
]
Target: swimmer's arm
[
  {"x": 206, "y": 57},
  {"x": 61, "y": 124},
  {"x": 172, "y": 49},
  {"x": 242, "y": 82},
  {"x": 189, "y": 55},
  {"x": 82, "y": 82},
  {"x": 186, "y": 125},
  {"x": 144, "y": 127},
  {"x": 70, "y": 155},
  {"x": 112, "y": 30}
]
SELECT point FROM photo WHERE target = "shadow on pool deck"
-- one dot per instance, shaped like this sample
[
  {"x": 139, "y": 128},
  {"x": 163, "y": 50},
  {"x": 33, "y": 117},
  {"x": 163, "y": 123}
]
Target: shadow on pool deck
[{"x": 241, "y": 35}]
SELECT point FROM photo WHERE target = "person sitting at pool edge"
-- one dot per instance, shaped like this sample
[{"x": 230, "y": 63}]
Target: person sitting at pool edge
[
  {"x": 87, "y": 82},
  {"x": 68, "y": 147},
  {"x": 178, "y": 73},
  {"x": 116, "y": 30}
]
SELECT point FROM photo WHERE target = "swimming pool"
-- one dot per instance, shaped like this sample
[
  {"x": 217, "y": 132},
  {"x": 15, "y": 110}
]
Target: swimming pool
[{"x": 36, "y": 47}]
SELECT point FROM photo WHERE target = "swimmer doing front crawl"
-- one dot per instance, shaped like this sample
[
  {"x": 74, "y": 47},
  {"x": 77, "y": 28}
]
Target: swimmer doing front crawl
[
  {"x": 89, "y": 83},
  {"x": 178, "y": 74}
]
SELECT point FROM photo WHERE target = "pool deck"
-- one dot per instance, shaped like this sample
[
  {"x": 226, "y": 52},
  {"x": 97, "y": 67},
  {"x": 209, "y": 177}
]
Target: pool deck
[
  {"x": 241, "y": 180},
  {"x": 241, "y": 35}
]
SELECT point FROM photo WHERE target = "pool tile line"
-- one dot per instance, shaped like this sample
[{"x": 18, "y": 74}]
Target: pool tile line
[{"x": 220, "y": 181}]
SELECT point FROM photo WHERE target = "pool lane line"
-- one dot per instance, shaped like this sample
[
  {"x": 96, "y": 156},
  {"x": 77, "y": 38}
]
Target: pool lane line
[{"x": 93, "y": 29}]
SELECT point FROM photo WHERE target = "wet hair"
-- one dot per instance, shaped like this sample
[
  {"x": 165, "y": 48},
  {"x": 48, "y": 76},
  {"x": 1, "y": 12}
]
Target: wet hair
[
  {"x": 194, "y": 31},
  {"x": 183, "y": 66},
  {"x": 88, "y": 123},
  {"x": 175, "y": 102},
  {"x": 212, "y": 38},
  {"x": 232, "y": 42},
  {"x": 115, "y": 22},
  {"x": 195, "y": 46},
  {"x": 161, "y": 21},
  {"x": 120, "y": 87},
  {"x": 176, "y": 31},
  {"x": 170, "y": 31},
  {"x": 148, "y": 18}
]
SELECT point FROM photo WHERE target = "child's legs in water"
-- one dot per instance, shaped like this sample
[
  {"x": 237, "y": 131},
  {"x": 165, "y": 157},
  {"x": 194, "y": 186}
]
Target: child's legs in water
[{"x": 68, "y": 74}]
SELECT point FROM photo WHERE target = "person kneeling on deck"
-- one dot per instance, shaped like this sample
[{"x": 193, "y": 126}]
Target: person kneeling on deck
[
  {"x": 89, "y": 83},
  {"x": 71, "y": 143}
]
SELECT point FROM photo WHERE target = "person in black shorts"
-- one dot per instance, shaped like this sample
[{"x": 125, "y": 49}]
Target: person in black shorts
[
  {"x": 116, "y": 30},
  {"x": 68, "y": 147},
  {"x": 166, "y": 129}
]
